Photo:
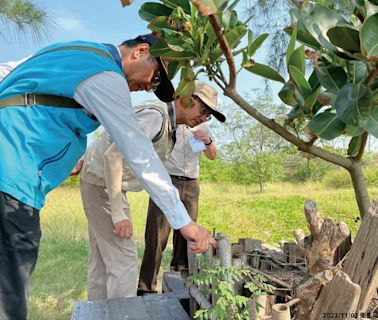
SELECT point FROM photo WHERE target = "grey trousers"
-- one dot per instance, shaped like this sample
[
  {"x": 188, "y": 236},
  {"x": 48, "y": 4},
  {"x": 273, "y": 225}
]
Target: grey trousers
[
  {"x": 157, "y": 234},
  {"x": 20, "y": 235},
  {"x": 113, "y": 261}
]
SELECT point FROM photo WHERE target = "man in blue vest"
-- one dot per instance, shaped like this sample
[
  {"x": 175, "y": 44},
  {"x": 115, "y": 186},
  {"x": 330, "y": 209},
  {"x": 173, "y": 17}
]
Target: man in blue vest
[{"x": 48, "y": 104}]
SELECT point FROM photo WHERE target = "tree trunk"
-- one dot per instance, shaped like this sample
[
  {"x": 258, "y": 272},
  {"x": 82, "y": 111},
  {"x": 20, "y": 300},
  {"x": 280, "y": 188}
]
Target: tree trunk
[{"x": 360, "y": 189}]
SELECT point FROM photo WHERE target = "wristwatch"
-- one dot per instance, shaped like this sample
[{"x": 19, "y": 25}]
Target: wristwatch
[{"x": 211, "y": 141}]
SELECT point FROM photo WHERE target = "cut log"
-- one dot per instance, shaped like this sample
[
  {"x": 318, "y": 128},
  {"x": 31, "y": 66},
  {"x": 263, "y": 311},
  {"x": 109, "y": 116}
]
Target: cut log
[
  {"x": 325, "y": 237},
  {"x": 340, "y": 297},
  {"x": 319, "y": 249},
  {"x": 281, "y": 312},
  {"x": 361, "y": 265}
]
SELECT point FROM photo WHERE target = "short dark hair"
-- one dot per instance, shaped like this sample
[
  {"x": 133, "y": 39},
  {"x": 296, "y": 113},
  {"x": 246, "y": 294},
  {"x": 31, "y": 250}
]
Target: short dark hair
[{"x": 132, "y": 43}]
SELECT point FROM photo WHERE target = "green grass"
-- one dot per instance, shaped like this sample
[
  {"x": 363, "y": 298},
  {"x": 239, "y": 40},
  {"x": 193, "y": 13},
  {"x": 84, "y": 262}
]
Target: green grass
[{"x": 240, "y": 211}]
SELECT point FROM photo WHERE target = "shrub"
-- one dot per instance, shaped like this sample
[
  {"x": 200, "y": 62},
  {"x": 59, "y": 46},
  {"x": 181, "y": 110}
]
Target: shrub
[{"x": 341, "y": 178}]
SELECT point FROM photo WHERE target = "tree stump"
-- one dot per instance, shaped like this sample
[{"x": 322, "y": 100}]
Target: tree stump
[
  {"x": 361, "y": 265},
  {"x": 319, "y": 248}
]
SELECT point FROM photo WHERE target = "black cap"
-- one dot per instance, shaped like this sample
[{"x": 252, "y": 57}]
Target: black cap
[{"x": 165, "y": 90}]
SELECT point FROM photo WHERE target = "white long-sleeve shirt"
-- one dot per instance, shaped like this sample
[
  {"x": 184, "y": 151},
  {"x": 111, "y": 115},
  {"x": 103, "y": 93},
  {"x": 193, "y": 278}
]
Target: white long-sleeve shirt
[{"x": 106, "y": 95}]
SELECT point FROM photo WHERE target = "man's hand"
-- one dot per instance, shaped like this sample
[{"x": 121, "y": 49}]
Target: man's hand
[
  {"x": 199, "y": 236},
  {"x": 75, "y": 171},
  {"x": 123, "y": 229},
  {"x": 202, "y": 135}
]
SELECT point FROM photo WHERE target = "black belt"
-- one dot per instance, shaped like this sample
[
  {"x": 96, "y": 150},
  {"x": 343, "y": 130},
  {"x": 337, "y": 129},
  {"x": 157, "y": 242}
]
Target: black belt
[
  {"x": 183, "y": 178},
  {"x": 31, "y": 99}
]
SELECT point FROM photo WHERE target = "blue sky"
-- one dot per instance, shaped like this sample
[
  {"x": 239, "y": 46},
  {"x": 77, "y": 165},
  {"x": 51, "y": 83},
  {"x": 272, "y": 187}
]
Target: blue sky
[{"x": 100, "y": 21}]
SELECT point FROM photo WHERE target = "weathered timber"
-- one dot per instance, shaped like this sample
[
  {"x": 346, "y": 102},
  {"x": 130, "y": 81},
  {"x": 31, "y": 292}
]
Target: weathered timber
[
  {"x": 339, "y": 297},
  {"x": 319, "y": 248},
  {"x": 325, "y": 237},
  {"x": 281, "y": 311},
  {"x": 293, "y": 252},
  {"x": 270, "y": 278},
  {"x": 249, "y": 246},
  {"x": 173, "y": 282},
  {"x": 156, "y": 307},
  {"x": 362, "y": 262},
  {"x": 198, "y": 295},
  {"x": 238, "y": 286},
  {"x": 224, "y": 250},
  {"x": 308, "y": 291},
  {"x": 343, "y": 249},
  {"x": 193, "y": 269},
  {"x": 236, "y": 249}
]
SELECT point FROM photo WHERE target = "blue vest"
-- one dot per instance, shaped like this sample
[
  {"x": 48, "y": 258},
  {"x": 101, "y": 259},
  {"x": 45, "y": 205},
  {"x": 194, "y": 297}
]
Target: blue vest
[{"x": 40, "y": 145}]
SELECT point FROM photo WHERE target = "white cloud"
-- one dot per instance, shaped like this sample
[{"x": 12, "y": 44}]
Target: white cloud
[{"x": 68, "y": 21}]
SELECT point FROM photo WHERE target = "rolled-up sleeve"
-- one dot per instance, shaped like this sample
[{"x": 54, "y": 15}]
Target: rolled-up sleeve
[{"x": 106, "y": 95}]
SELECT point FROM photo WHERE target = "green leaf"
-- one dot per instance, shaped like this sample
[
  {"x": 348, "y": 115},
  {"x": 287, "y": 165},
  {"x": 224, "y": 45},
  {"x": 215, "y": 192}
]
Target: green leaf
[
  {"x": 185, "y": 88},
  {"x": 370, "y": 124},
  {"x": 299, "y": 79},
  {"x": 151, "y": 10},
  {"x": 304, "y": 37},
  {"x": 310, "y": 101},
  {"x": 291, "y": 45},
  {"x": 297, "y": 59},
  {"x": 314, "y": 81},
  {"x": 233, "y": 37},
  {"x": 173, "y": 68},
  {"x": 353, "y": 131},
  {"x": 345, "y": 38},
  {"x": 354, "y": 146},
  {"x": 318, "y": 19},
  {"x": 229, "y": 19},
  {"x": 327, "y": 125},
  {"x": 162, "y": 49},
  {"x": 369, "y": 36},
  {"x": 184, "y": 4},
  {"x": 288, "y": 95},
  {"x": 357, "y": 71},
  {"x": 331, "y": 76},
  {"x": 252, "y": 47},
  {"x": 266, "y": 72},
  {"x": 209, "y": 7},
  {"x": 159, "y": 23},
  {"x": 375, "y": 2},
  {"x": 353, "y": 103},
  {"x": 371, "y": 9}
]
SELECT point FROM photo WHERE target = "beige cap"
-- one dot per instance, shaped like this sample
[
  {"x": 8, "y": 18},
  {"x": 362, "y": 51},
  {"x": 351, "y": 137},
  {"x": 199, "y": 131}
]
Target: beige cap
[{"x": 209, "y": 97}]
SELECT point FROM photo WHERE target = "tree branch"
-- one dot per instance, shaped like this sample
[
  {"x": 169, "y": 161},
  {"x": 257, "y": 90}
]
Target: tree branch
[
  {"x": 372, "y": 75},
  {"x": 226, "y": 50},
  {"x": 364, "y": 138},
  {"x": 302, "y": 145}
]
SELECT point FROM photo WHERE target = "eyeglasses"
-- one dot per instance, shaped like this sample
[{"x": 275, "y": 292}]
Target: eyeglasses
[
  {"x": 156, "y": 81},
  {"x": 205, "y": 110}
]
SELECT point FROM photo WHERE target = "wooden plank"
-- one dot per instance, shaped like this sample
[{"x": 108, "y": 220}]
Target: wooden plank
[
  {"x": 94, "y": 310},
  {"x": 172, "y": 282},
  {"x": 340, "y": 296},
  {"x": 129, "y": 308},
  {"x": 362, "y": 262},
  {"x": 149, "y": 307},
  {"x": 164, "y": 307}
]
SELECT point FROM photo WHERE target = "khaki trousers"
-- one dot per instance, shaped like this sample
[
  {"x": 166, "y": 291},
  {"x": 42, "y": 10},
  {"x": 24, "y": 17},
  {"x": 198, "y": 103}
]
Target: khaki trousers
[
  {"x": 157, "y": 234},
  {"x": 113, "y": 261}
]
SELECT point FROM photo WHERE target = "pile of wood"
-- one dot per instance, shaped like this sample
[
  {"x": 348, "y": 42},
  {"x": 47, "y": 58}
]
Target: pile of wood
[{"x": 322, "y": 275}]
